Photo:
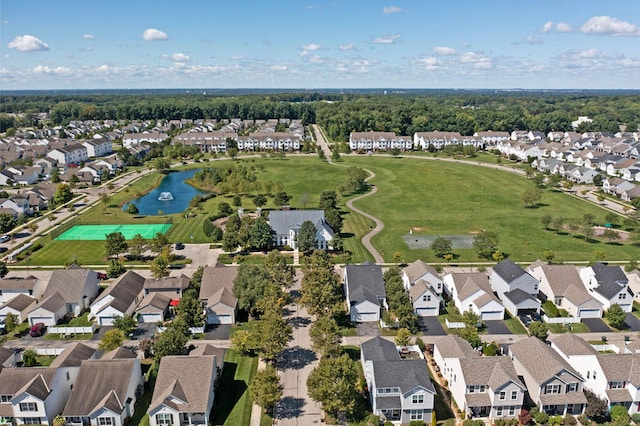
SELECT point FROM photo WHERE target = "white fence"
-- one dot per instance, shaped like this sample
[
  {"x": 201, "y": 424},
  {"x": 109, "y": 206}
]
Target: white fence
[
  {"x": 49, "y": 351},
  {"x": 192, "y": 330},
  {"x": 606, "y": 348},
  {"x": 454, "y": 324},
  {"x": 72, "y": 330},
  {"x": 560, "y": 320}
]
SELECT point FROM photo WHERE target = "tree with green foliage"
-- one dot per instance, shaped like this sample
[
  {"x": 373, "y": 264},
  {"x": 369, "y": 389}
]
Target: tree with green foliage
[
  {"x": 546, "y": 220},
  {"x": 539, "y": 329},
  {"x": 259, "y": 200},
  {"x": 125, "y": 323},
  {"x": 29, "y": 358},
  {"x": 549, "y": 255},
  {"x": 171, "y": 342},
  {"x": 616, "y": 316},
  {"x": 3, "y": 269},
  {"x": 531, "y": 197},
  {"x": 306, "y": 238},
  {"x": 441, "y": 246},
  {"x": 55, "y": 175},
  {"x": 237, "y": 201},
  {"x": 334, "y": 219},
  {"x": 261, "y": 235},
  {"x": 619, "y": 415},
  {"x": 115, "y": 244},
  {"x": 320, "y": 286},
  {"x": 326, "y": 337},
  {"x": 281, "y": 199},
  {"x": 62, "y": 195},
  {"x": 161, "y": 164},
  {"x": 137, "y": 246},
  {"x": 159, "y": 242},
  {"x": 399, "y": 301},
  {"x": 272, "y": 334},
  {"x": 610, "y": 234},
  {"x": 249, "y": 286},
  {"x": 279, "y": 270},
  {"x": 7, "y": 222},
  {"x": 160, "y": 265},
  {"x": 111, "y": 340},
  {"x": 632, "y": 265},
  {"x": 225, "y": 209},
  {"x": 470, "y": 318},
  {"x": 333, "y": 384},
  {"x": 612, "y": 218},
  {"x": 190, "y": 309},
  {"x": 196, "y": 278},
  {"x": 597, "y": 408},
  {"x": 328, "y": 200},
  {"x": 403, "y": 337},
  {"x": 10, "y": 322},
  {"x": 485, "y": 243},
  {"x": 356, "y": 180},
  {"x": 132, "y": 208},
  {"x": 265, "y": 389},
  {"x": 471, "y": 334},
  {"x": 115, "y": 269}
]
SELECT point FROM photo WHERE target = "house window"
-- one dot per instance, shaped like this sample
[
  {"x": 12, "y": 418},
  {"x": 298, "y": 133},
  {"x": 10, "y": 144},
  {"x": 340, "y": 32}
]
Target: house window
[
  {"x": 502, "y": 395},
  {"x": 164, "y": 419},
  {"x": 588, "y": 374},
  {"x": 67, "y": 376},
  {"x": 5, "y": 399},
  {"x": 472, "y": 389},
  {"x": 498, "y": 411},
  {"x": 512, "y": 410},
  {"x": 424, "y": 297},
  {"x": 416, "y": 414},
  {"x": 514, "y": 394},
  {"x": 622, "y": 296},
  {"x": 28, "y": 406},
  {"x": 418, "y": 399},
  {"x": 572, "y": 387},
  {"x": 105, "y": 421},
  {"x": 552, "y": 389},
  {"x": 616, "y": 385},
  {"x": 31, "y": 420}
]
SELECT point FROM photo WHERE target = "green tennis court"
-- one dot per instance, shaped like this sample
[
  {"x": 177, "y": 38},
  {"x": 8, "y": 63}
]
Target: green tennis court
[{"x": 99, "y": 232}]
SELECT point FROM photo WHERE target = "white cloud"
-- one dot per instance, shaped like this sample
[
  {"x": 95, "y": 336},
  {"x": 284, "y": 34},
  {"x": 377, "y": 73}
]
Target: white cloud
[
  {"x": 392, "y": 9},
  {"x": 563, "y": 27},
  {"x": 311, "y": 47},
  {"x": 279, "y": 68},
  {"x": 533, "y": 40},
  {"x": 606, "y": 25},
  {"x": 430, "y": 63},
  {"x": 477, "y": 59},
  {"x": 43, "y": 69},
  {"x": 387, "y": 39},
  {"x": 346, "y": 46},
  {"x": 444, "y": 51},
  {"x": 180, "y": 57},
  {"x": 87, "y": 36},
  {"x": 548, "y": 26},
  {"x": 316, "y": 59},
  {"x": 152, "y": 34},
  {"x": 28, "y": 43}
]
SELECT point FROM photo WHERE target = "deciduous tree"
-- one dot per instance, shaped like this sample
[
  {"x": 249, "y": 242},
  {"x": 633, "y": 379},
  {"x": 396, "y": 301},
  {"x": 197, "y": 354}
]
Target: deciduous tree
[
  {"x": 326, "y": 337},
  {"x": 539, "y": 329},
  {"x": 170, "y": 342},
  {"x": 616, "y": 316},
  {"x": 266, "y": 389},
  {"x": 272, "y": 334},
  {"x": 279, "y": 271},
  {"x": 125, "y": 323},
  {"x": 485, "y": 243},
  {"x": 307, "y": 236},
  {"x": 441, "y": 246},
  {"x": 333, "y": 384},
  {"x": 115, "y": 244},
  {"x": 249, "y": 286},
  {"x": 111, "y": 340},
  {"x": 320, "y": 286}
]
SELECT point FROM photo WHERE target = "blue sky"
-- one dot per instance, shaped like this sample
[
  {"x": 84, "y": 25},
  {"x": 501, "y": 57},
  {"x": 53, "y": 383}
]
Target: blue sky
[{"x": 533, "y": 44}]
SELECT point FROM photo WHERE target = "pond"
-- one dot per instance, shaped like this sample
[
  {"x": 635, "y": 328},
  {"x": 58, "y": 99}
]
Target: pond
[{"x": 178, "y": 201}]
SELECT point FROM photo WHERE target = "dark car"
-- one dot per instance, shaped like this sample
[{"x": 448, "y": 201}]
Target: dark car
[
  {"x": 101, "y": 275},
  {"x": 179, "y": 246},
  {"x": 37, "y": 329}
]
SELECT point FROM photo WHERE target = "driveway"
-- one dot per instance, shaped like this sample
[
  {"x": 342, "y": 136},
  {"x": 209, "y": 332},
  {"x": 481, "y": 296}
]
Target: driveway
[
  {"x": 368, "y": 329},
  {"x": 632, "y": 322},
  {"x": 596, "y": 325},
  {"x": 217, "y": 332},
  {"x": 431, "y": 326},
  {"x": 496, "y": 327}
]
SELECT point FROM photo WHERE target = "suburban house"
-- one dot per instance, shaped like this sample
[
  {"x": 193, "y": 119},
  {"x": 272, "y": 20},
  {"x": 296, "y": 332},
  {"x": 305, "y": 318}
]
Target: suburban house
[
  {"x": 154, "y": 308},
  {"x": 365, "y": 292},
  {"x": 447, "y": 352},
  {"x": 562, "y": 285},
  {"x": 104, "y": 392},
  {"x": 20, "y": 306},
  {"x": 170, "y": 286},
  {"x": 70, "y": 154},
  {"x": 33, "y": 395},
  {"x": 98, "y": 147},
  {"x": 472, "y": 292},
  {"x": 68, "y": 293},
  {"x": 184, "y": 390},
  {"x": 552, "y": 383},
  {"x": 400, "y": 390},
  {"x": 379, "y": 141},
  {"x": 131, "y": 139},
  {"x": 119, "y": 299},
  {"x": 517, "y": 289},
  {"x": 11, "y": 287},
  {"x": 608, "y": 284},
  {"x": 424, "y": 285},
  {"x": 216, "y": 294},
  {"x": 421, "y": 271},
  {"x": 286, "y": 225},
  {"x": 611, "y": 376}
]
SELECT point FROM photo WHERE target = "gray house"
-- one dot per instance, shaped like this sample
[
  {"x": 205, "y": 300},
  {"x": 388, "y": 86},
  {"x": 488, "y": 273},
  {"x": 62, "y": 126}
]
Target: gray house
[
  {"x": 365, "y": 293},
  {"x": 286, "y": 225}
]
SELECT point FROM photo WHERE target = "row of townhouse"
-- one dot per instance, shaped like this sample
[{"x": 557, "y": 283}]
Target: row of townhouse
[
  {"x": 67, "y": 293},
  {"x": 28, "y": 202},
  {"x": 496, "y": 387},
  {"x": 218, "y": 141},
  {"x": 91, "y": 390}
]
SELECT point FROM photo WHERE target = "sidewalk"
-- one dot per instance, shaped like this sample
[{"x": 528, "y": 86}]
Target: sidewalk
[{"x": 256, "y": 410}]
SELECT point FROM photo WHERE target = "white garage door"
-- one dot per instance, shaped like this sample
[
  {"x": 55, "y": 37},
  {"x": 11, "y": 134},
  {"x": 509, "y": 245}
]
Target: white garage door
[
  {"x": 589, "y": 313},
  {"x": 492, "y": 315},
  {"x": 427, "y": 312},
  {"x": 106, "y": 320},
  {"x": 364, "y": 316},
  {"x": 219, "y": 319},
  {"x": 149, "y": 318},
  {"x": 46, "y": 320}
]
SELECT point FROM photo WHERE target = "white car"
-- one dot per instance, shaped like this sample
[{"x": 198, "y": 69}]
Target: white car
[{"x": 4, "y": 238}]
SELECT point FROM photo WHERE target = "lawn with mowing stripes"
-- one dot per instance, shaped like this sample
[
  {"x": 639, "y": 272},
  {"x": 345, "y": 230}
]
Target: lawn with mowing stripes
[
  {"x": 233, "y": 403},
  {"x": 444, "y": 198}
]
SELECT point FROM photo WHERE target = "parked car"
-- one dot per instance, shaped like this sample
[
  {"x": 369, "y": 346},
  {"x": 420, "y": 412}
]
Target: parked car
[
  {"x": 101, "y": 275},
  {"x": 179, "y": 246},
  {"x": 37, "y": 329},
  {"x": 4, "y": 238}
]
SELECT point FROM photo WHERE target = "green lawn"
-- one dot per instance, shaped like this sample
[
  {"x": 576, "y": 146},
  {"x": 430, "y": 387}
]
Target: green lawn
[
  {"x": 443, "y": 198},
  {"x": 233, "y": 404}
]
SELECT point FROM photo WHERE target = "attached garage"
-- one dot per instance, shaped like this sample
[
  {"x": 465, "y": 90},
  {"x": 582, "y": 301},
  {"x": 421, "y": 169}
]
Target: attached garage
[
  {"x": 213, "y": 318},
  {"x": 428, "y": 312},
  {"x": 48, "y": 321},
  {"x": 491, "y": 315},
  {"x": 364, "y": 316},
  {"x": 150, "y": 318},
  {"x": 106, "y": 320},
  {"x": 589, "y": 313}
]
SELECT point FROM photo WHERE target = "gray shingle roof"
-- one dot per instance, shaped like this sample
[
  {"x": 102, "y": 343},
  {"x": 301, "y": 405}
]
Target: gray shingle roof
[
  {"x": 542, "y": 362},
  {"x": 571, "y": 344},
  {"x": 124, "y": 291},
  {"x": 15, "y": 380},
  {"x": 281, "y": 221},
  {"x": 508, "y": 270},
  {"x": 405, "y": 374},
  {"x": 380, "y": 349},
  {"x": 365, "y": 282},
  {"x": 73, "y": 355},
  {"x": 452, "y": 346},
  {"x": 418, "y": 268},
  {"x": 518, "y": 296}
]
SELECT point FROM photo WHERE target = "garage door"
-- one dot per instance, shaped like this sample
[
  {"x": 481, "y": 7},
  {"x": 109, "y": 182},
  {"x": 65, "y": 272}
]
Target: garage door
[
  {"x": 106, "y": 320},
  {"x": 219, "y": 319},
  {"x": 149, "y": 318},
  {"x": 427, "y": 312},
  {"x": 364, "y": 316},
  {"x": 46, "y": 320},
  {"x": 492, "y": 315},
  {"x": 589, "y": 313}
]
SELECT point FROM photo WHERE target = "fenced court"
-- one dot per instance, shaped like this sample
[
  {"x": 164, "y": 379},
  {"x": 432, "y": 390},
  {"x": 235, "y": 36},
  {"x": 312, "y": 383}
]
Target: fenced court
[
  {"x": 416, "y": 242},
  {"x": 99, "y": 232}
]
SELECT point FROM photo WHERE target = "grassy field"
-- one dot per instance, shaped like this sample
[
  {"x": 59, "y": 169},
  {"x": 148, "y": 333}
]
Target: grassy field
[
  {"x": 443, "y": 198},
  {"x": 233, "y": 406}
]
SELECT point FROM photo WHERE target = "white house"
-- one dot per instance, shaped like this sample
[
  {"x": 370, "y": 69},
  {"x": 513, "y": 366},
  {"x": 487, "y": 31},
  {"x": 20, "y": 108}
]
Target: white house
[
  {"x": 608, "y": 284},
  {"x": 72, "y": 153},
  {"x": 425, "y": 300},
  {"x": 365, "y": 293},
  {"x": 98, "y": 147},
  {"x": 131, "y": 139},
  {"x": 19, "y": 306},
  {"x": 421, "y": 271},
  {"x": 286, "y": 225},
  {"x": 517, "y": 289},
  {"x": 216, "y": 294},
  {"x": 399, "y": 389},
  {"x": 472, "y": 292},
  {"x": 10, "y": 287},
  {"x": 119, "y": 299}
]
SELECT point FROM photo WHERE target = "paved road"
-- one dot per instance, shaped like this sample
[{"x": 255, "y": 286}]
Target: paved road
[{"x": 320, "y": 140}]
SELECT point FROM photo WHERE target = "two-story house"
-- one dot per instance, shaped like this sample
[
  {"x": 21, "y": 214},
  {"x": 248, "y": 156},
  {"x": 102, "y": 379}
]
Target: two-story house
[
  {"x": 119, "y": 299},
  {"x": 365, "y": 292},
  {"x": 399, "y": 389},
  {"x": 517, "y": 289},
  {"x": 159, "y": 295},
  {"x": 287, "y": 223},
  {"x": 553, "y": 384},
  {"x": 425, "y": 287},
  {"x": 216, "y": 294},
  {"x": 471, "y": 291},
  {"x": 608, "y": 284}
]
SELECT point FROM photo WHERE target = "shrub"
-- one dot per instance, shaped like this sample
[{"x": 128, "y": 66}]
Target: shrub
[
  {"x": 416, "y": 423},
  {"x": 555, "y": 420},
  {"x": 540, "y": 417},
  {"x": 448, "y": 422},
  {"x": 584, "y": 420},
  {"x": 635, "y": 417},
  {"x": 420, "y": 344}
]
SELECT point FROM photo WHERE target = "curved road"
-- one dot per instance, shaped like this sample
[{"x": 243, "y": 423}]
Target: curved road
[{"x": 366, "y": 240}]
